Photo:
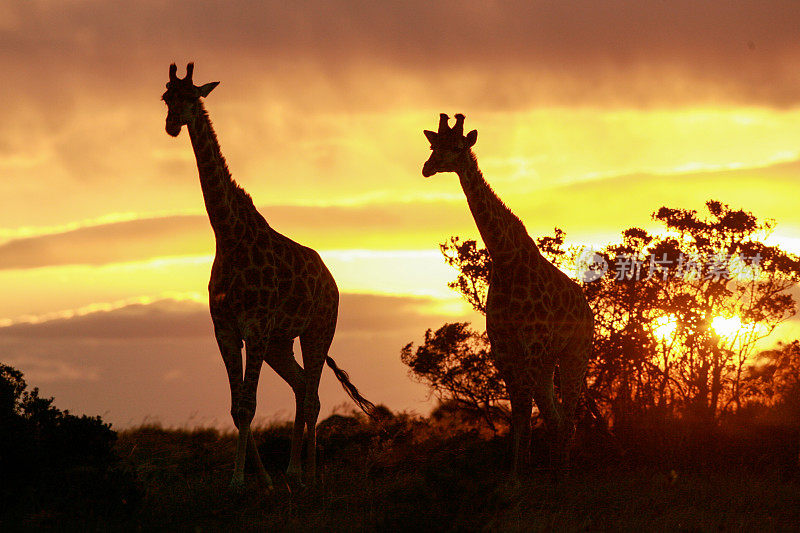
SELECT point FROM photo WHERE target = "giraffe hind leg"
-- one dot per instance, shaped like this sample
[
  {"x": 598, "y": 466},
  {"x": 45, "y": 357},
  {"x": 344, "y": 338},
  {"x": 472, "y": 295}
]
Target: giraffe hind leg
[
  {"x": 315, "y": 351},
  {"x": 549, "y": 409},
  {"x": 572, "y": 371},
  {"x": 280, "y": 357}
]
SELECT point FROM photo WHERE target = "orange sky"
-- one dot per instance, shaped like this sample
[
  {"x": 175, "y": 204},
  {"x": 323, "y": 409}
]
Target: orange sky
[{"x": 590, "y": 117}]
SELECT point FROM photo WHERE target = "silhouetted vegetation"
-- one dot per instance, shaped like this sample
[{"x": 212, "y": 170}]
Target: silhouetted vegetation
[
  {"x": 454, "y": 362},
  {"x": 446, "y": 471},
  {"x": 52, "y": 463},
  {"x": 678, "y": 320}
]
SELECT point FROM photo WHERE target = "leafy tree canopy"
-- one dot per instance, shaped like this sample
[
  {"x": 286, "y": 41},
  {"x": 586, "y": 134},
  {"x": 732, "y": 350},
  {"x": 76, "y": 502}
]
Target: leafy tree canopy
[{"x": 679, "y": 316}]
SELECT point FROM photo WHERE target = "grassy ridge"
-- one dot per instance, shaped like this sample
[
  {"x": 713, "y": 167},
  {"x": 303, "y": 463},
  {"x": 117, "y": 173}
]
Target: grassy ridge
[{"x": 445, "y": 473}]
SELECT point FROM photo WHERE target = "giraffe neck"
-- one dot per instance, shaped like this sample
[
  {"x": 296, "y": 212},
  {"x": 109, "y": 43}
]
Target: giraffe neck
[
  {"x": 502, "y": 232},
  {"x": 226, "y": 209}
]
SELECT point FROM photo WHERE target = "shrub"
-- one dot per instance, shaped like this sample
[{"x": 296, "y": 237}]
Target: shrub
[{"x": 54, "y": 462}]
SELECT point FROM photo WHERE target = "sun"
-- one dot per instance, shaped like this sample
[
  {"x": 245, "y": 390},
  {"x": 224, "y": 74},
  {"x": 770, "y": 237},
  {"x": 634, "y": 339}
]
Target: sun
[
  {"x": 664, "y": 327},
  {"x": 727, "y": 326}
]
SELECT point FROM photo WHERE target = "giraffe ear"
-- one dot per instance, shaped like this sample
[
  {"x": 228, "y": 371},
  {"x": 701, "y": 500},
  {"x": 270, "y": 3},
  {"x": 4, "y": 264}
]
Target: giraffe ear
[
  {"x": 431, "y": 136},
  {"x": 471, "y": 138},
  {"x": 207, "y": 88}
]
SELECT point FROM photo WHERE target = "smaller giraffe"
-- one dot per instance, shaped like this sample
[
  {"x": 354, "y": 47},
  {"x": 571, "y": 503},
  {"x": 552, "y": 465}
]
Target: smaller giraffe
[
  {"x": 536, "y": 316},
  {"x": 265, "y": 291}
]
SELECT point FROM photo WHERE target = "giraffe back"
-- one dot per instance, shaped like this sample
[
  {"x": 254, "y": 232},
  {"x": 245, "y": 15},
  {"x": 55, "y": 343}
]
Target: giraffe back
[{"x": 268, "y": 276}]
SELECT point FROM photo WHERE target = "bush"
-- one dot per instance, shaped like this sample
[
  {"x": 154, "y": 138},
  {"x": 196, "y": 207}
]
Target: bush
[{"x": 52, "y": 462}]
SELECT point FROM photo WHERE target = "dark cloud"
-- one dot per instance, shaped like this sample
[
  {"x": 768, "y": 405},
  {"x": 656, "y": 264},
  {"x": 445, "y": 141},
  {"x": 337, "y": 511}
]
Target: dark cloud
[
  {"x": 161, "y": 361},
  {"x": 108, "y": 243},
  {"x": 505, "y": 54},
  {"x": 169, "y": 318},
  {"x": 324, "y": 227},
  {"x": 162, "y": 319}
]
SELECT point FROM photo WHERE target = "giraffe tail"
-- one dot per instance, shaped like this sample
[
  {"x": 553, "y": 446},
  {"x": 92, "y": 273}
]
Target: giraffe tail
[{"x": 365, "y": 405}]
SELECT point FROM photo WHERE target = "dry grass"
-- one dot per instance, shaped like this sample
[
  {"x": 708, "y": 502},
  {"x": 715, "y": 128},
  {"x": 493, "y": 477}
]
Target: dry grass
[{"x": 440, "y": 475}]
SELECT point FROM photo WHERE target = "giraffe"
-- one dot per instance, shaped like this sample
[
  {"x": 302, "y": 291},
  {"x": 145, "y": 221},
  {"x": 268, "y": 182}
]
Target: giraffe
[
  {"x": 265, "y": 290},
  {"x": 536, "y": 316}
]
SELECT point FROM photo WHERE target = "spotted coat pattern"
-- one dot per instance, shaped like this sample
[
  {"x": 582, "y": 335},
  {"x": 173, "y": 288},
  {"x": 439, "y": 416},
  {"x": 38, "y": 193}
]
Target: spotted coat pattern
[
  {"x": 537, "y": 318},
  {"x": 265, "y": 290}
]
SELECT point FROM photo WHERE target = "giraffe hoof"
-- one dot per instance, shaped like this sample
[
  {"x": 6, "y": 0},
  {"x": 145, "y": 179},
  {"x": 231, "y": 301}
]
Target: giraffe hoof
[
  {"x": 558, "y": 475},
  {"x": 513, "y": 482},
  {"x": 266, "y": 485},
  {"x": 298, "y": 486},
  {"x": 295, "y": 480},
  {"x": 236, "y": 487}
]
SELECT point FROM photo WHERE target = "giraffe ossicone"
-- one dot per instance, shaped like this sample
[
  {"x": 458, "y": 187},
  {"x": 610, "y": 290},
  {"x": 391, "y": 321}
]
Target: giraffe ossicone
[
  {"x": 537, "y": 318},
  {"x": 265, "y": 290}
]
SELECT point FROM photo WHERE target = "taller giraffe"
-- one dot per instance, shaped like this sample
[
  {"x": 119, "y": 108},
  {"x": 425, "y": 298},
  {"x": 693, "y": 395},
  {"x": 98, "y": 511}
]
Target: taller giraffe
[
  {"x": 265, "y": 291},
  {"x": 536, "y": 316}
]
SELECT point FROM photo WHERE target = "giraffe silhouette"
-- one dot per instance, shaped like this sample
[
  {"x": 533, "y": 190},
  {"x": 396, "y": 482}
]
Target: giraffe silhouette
[
  {"x": 536, "y": 316},
  {"x": 265, "y": 291}
]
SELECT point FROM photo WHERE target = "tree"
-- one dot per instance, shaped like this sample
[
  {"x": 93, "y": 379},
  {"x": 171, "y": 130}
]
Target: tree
[
  {"x": 453, "y": 361},
  {"x": 685, "y": 310},
  {"x": 739, "y": 295},
  {"x": 773, "y": 378},
  {"x": 678, "y": 314}
]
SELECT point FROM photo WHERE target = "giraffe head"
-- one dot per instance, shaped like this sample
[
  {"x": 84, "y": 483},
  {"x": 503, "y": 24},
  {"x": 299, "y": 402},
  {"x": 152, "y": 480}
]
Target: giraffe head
[
  {"x": 183, "y": 98},
  {"x": 449, "y": 146}
]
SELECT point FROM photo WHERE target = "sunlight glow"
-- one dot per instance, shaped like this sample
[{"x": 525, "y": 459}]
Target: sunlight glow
[
  {"x": 450, "y": 308},
  {"x": 47, "y": 293},
  {"x": 727, "y": 327},
  {"x": 664, "y": 327},
  {"x": 676, "y": 142}
]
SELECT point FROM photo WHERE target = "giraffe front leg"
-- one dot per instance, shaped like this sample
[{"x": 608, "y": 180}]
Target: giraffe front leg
[
  {"x": 264, "y": 478},
  {"x": 245, "y": 411},
  {"x": 230, "y": 347},
  {"x": 237, "y": 481},
  {"x": 521, "y": 397}
]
